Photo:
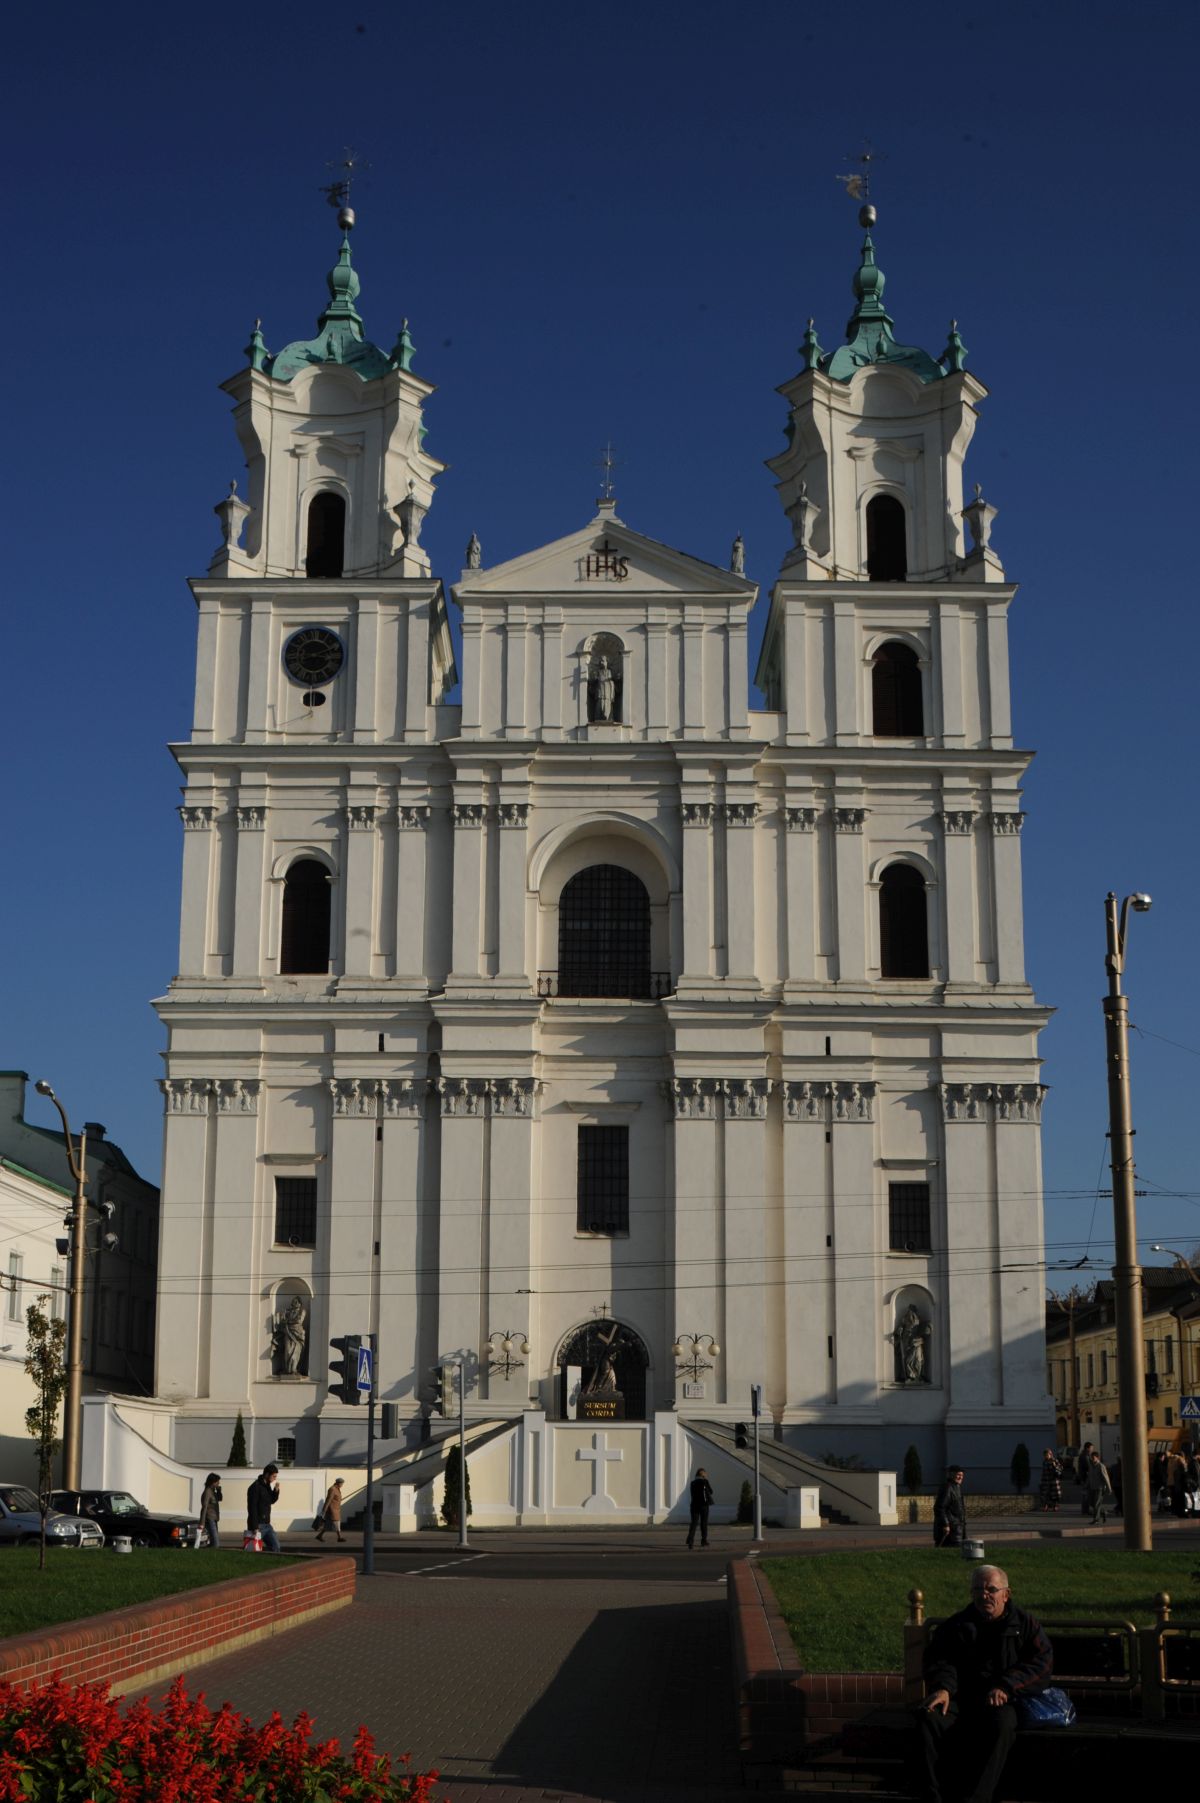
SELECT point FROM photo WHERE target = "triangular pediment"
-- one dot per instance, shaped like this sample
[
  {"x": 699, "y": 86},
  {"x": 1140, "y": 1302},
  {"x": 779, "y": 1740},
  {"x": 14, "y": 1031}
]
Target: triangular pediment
[{"x": 605, "y": 554}]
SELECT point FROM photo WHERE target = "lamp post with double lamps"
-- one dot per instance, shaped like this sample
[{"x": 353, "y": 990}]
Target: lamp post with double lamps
[{"x": 1127, "y": 1273}]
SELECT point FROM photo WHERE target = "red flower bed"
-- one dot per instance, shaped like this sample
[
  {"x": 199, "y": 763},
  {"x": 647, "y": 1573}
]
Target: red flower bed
[{"x": 62, "y": 1741}]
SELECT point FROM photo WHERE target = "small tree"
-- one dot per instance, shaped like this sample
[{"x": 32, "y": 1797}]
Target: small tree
[
  {"x": 453, "y": 1491},
  {"x": 745, "y": 1509},
  {"x": 913, "y": 1476},
  {"x": 1019, "y": 1469},
  {"x": 45, "y": 1364},
  {"x": 237, "y": 1449}
]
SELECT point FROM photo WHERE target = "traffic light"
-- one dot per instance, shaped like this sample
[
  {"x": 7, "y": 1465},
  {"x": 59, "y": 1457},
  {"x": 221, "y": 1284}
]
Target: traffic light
[
  {"x": 444, "y": 1399},
  {"x": 741, "y": 1436},
  {"x": 389, "y": 1426},
  {"x": 345, "y": 1384}
]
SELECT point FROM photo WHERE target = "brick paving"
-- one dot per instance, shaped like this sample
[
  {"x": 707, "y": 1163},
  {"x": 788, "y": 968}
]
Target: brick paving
[{"x": 609, "y": 1692}]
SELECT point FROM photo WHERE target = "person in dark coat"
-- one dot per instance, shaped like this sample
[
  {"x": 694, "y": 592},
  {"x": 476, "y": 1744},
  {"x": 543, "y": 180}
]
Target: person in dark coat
[
  {"x": 263, "y": 1492},
  {"x": 1050, "y": 1487},
  {"x": 210, "y": 1511},
  {"x": 976, "y": 1663},
  {"x": 949, "y": 1510},
  {"x": 702, "y": 1501}
]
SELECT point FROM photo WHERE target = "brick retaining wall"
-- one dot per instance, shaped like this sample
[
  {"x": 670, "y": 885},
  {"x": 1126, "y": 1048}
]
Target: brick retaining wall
[{"x": 140, "y": 1645}]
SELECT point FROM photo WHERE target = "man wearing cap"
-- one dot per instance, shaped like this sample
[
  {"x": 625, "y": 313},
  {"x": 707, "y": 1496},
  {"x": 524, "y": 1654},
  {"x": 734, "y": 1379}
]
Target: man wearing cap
[
  {"x": 259, "y": 1497},
  {"x": 976, "y": 1664}
]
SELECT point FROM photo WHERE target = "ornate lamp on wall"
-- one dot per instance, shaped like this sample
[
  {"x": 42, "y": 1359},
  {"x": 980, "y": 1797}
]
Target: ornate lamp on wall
[
  {"x": 692, "y": 1363},
  {"x": 500, "y": 1358}
]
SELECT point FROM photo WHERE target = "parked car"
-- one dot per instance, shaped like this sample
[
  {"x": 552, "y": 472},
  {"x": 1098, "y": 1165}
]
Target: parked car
[
  {"x": 21, "y": 1522},
  {"x": 116, "y": 1512}
]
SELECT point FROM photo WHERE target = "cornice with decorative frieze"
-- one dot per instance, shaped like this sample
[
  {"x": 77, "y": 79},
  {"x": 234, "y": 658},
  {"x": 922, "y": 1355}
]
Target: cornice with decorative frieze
[
  {"x": 361, "y": 816},
  {"x": 412, "y": 816},
  {"x": 958, "y": 820},
  {"x": 468, "y": 813},
  {"x": 697, "y": 813},
  {"x": 514, "y": 813},
  {"x": 251, "y": 819}
]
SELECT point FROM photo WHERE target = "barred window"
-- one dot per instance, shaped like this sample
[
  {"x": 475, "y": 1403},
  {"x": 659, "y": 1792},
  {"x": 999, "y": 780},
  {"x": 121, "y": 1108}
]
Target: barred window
[
  {"x": 604, "y": 934},
  {"x": 908, "y": 1217},
  {"x": 15, "y": 1266},
  {"x": 296, "y": 1211},
  {"x": 603, "y": 1180}
]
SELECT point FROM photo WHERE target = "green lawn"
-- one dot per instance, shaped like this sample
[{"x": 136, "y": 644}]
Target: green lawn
[
  {"x": 845, "y": 1611},
  {"x": 77, "y": 1584}
]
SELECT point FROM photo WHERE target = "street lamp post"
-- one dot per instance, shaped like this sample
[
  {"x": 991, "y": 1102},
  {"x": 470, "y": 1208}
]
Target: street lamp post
[
  {"x": 1127, "y": 1274},
  {"x": 78, "y": 1224}
]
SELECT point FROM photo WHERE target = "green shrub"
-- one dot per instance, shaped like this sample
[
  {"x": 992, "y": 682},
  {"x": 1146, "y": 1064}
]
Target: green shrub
[
  {"x": 237, "y": 1450},
  {"x": 454, "y": 1487},
  {"x": 745, "y": 1509}
]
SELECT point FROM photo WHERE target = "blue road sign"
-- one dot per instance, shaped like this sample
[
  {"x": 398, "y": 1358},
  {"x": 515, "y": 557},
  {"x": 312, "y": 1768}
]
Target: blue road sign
[
  {"x": 366, "y": 1378},
  {"x": 1189, "y": 1408}
]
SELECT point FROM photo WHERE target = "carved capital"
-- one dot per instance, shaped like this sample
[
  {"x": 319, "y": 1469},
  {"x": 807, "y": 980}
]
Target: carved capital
[
  {"x": 251, "y": 820},
  {"x": 513, "y": 1095},
  {"x": 959, "y": 820},
  {"x": 1007, "y": 824},
  {"x": 514, "y": 813},
  {"x": 468, "y": 813},
  {"x": 237, "y": 1095},
  {"x": 1021, "y": 1102},
  {"x": 692, "y": 1098},
  {"x": 746, "y": 1097},
  {"x": 854, "y": 1102},
  {"x": 801, "y": 820},
  {"x": 402, "y": 1095},
  {"x": 412, "y": 816},
  {"x": 360, "y": 816},
  {"x": 463, "y": 1095},
  {"x": 697, "y": 813},
  {"x": 964, "y": 1101},
  {"x": 806, "y": 1101},
  {"x": 354, "y": 1097},
  {"x": 740, "y": 813},
  {"x": 197, "y": 820},
  {"x": 186, "y": 1095},
  {"x": 849, "y": 820}
]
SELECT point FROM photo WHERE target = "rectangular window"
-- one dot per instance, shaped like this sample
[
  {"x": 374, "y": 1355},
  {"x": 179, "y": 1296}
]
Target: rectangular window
[
  {"x": 295, "y": 1211},
  {"x": 285, "y": 1451},
  {"x": 58, "y": 1293},
  {"x": 1169, "y": 1353},
  {"x": 1103, "y": 1365},
  {"x": 1091, "y": 1368},
  {"x": 1168, "y": 1417},
  {"x": 908, "y": 1217},
  {"x": 602, "y": 1189},
  {"x": 1151, "y": 1361},
  {"x": 14, "y": 1286}
]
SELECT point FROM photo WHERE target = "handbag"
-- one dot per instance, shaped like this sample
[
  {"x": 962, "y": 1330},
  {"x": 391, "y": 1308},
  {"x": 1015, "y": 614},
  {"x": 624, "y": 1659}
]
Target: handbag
[
  {"x": 318, "y": 1522},
  {"x": 1053, "y": 1708}
]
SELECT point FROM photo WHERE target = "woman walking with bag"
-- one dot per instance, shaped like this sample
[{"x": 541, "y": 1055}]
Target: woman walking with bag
[
  {"x": 1050, "y": 1488},
  {"x": 331, "y": 1514}
]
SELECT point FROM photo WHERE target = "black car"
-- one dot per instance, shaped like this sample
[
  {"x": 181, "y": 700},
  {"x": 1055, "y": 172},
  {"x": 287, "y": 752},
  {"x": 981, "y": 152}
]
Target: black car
[{"x": 116, "y": 1512}]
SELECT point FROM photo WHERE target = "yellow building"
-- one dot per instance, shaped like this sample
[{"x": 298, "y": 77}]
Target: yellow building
[{"x": 1083, "y": 1332}]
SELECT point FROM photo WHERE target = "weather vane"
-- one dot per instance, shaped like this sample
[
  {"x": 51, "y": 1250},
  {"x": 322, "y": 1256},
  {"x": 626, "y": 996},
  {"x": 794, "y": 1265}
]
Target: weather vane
[
  {"x": 858, "y": 184},
  {"x": 607, "y": 464},
  {"x": 337, "y": 192}
]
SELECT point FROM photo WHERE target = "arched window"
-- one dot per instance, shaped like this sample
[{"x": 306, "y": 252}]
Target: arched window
[
  {"x": 887, "y": 550},
  {"x": 903, "y": 931},
  {"x": 604, "y": 934},
  {"x": 304, "y": 945},
  {"x": 897, "y": 710},
  {"x": 326, "y": 547}
]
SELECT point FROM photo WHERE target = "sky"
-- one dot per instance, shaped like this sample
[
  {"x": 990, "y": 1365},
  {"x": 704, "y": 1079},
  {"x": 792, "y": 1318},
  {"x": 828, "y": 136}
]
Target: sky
[{"x": 607, "y": 223}]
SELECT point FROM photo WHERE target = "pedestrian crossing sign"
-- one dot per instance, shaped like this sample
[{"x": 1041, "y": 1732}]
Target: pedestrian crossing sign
[
  {"x": 366, "y": 1380},
  {"x": 1189, "y": 1408}
]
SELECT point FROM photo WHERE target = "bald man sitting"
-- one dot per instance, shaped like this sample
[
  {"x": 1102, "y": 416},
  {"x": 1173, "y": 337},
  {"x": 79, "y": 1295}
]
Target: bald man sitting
[{"x": 976, "y": 1664}]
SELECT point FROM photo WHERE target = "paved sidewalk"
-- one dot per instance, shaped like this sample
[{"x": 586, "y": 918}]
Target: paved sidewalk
[{"x": 614, "y": 1692}]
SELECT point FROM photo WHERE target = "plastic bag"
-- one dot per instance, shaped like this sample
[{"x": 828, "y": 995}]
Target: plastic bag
[{"x": 1052, "y": 1709}]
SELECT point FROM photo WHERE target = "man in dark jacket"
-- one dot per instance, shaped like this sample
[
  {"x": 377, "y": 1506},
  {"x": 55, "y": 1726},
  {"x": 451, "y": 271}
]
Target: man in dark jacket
[
  {"x": 949, "y": 1510},
  {"x": 701, "y": 1500},
  {"x": 976, "y": 1663},
  {"x": 259, "y": 1497}
]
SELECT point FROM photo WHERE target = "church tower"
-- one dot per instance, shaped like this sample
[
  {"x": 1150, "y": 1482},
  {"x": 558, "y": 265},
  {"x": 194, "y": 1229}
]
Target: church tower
[{"x": 621, "y": 1043}]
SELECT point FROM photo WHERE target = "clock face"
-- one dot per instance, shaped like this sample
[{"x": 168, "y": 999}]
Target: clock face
[{"x": 313, "y": 656}]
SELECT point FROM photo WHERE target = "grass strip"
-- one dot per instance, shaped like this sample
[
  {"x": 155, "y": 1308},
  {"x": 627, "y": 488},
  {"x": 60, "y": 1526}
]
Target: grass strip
[
  {"x": 845, "y": 1611},
  {"x": 76, "y": 1584}
]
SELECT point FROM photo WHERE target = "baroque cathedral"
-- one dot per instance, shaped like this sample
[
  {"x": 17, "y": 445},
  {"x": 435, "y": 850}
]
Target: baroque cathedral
[{"x": 553, "y": 1011}]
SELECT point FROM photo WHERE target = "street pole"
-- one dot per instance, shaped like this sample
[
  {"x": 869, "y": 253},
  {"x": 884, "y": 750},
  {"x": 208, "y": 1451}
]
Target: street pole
[
  {"x": 73, "y": 1405},
  {"x": 368, "y": 1563},
  {"x": 1127, "y": 1274},
  {"x": 756, "y": 1407},
  {"x": 462, "y": 1454}
]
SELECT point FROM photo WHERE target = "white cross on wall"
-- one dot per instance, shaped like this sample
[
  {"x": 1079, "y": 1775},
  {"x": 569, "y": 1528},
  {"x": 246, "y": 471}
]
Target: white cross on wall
[{"x": 598, "y": 1457}]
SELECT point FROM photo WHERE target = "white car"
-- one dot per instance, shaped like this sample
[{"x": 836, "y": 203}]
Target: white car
[{"x": 21, "y": 1522}]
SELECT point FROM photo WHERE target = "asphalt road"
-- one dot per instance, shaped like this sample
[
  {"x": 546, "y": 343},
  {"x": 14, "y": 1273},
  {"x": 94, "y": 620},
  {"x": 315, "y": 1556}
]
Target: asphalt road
[{"x": 543, "y": 1559}]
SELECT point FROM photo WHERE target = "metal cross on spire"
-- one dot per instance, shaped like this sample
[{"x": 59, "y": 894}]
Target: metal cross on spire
[
  {"x": 858, "y": 183},
  {"x": 337, "y": 192},
  {"x": 607, "y": 463}
]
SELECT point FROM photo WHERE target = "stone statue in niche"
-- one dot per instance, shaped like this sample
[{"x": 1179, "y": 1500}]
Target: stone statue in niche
[
  {"x": 602, "y": 692},
  {"x": 290, "y": 1335},
  {"x": 911, "y": 1342},
  {"x": 603, "y": 1381}
]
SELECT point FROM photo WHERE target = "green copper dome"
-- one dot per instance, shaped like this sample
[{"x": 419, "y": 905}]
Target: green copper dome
[
  {"x": 339, "y": 337},
  {"x": 869, "y": 336}
]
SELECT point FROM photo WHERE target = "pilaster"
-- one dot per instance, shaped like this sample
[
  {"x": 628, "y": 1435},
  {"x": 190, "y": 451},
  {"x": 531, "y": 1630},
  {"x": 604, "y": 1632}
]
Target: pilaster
[
  {"x": 961, "y": 911},
  {"x": 407, "y": 1244},
  {"x": 697, "y": 818},
  {"x": 747, "y": 1207},
  {"x": 1006, "y": 824},
  {"x": 514, "y": 833},
  {"x": 412, "y": 825},
  {"x": 362, "y": 838},
  {"x": 740, "y": 891},
  {"x": 858, "y": 1329},
  {"x": 809, "y": 1264},
  {"x": 468, "y": 818},
  {"x": 800, "y": 895},
  {"x": 199, "y": 841},
  {"x": 850, "y": 883},
  {"x": 249, "y": 887},
  {"x": 244, "y": 1225},
  {"x": 698, "y": 1238}
]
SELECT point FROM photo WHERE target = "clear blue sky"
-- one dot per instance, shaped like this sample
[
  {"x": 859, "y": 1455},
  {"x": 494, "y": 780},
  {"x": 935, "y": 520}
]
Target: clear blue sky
[{"x": 606, "y": 221}]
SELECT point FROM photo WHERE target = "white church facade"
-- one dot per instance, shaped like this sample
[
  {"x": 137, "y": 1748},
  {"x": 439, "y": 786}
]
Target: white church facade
[{"x": 627, "y": 1043}]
